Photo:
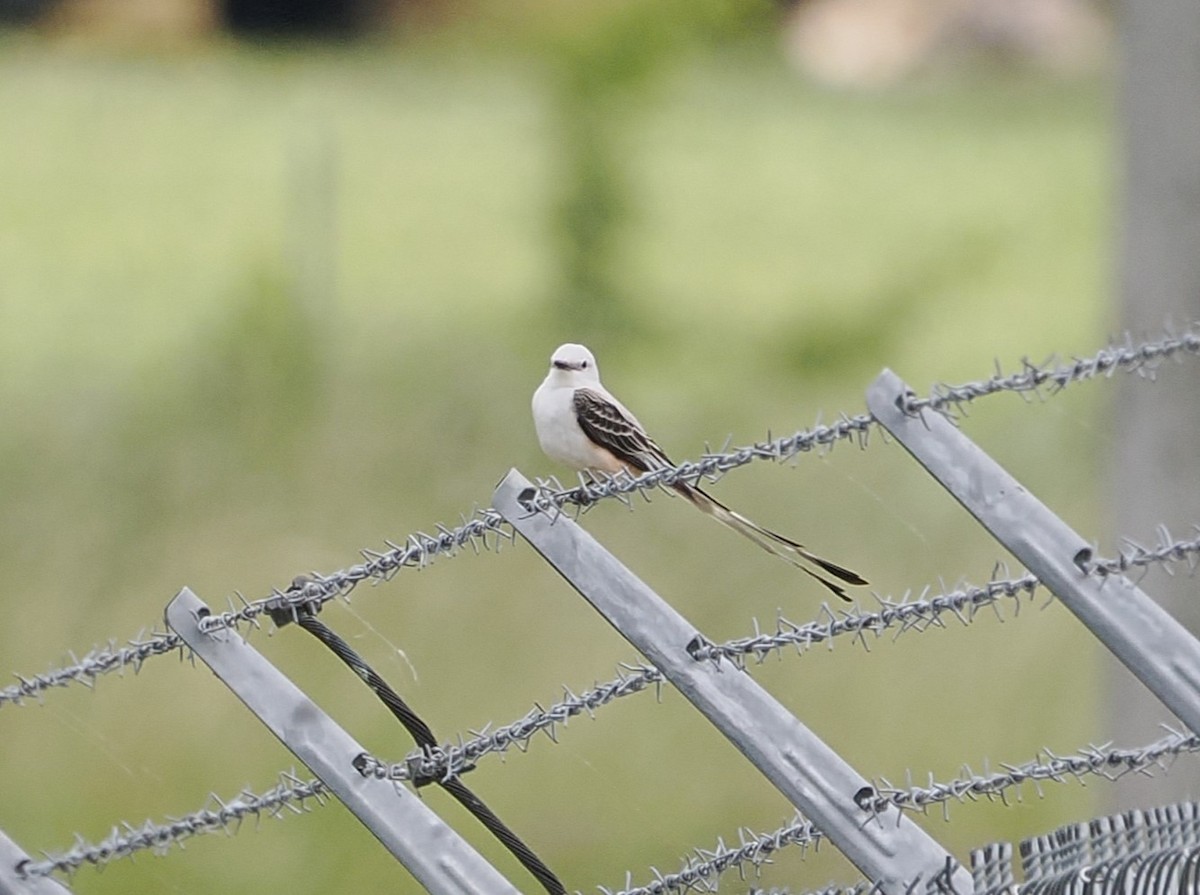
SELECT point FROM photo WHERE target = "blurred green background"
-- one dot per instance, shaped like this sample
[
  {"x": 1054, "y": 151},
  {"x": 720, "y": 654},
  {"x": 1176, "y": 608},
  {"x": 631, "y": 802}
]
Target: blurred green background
[{"x": 265, "y": 303}]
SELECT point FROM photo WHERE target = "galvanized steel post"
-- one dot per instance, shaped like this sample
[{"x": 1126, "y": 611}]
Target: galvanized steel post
[
  {"x": 435, "y": 854},
  {"x": 13, "y": 882},
  {"x": 888, "y": 847},
  {"x": 1143, "y": 635}
]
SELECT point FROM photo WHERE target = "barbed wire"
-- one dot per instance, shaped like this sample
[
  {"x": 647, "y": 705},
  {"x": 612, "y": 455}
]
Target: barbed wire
[
  {"x": 86, "y": 669},
  {"x": 1142, "y": 358},
  {"x": 449, "y": 761},
  {"x": 701, "y": 870},
  {"x": 1104, "y": 761},
  {"x": 1169, "y": 550},
  {"x": 290, "y": 794},
  {"x": 906, "y": 613},
  {"x": 418, "y": 550},
  {"x": 894, "y": 616},
  {"x": 899, "y": 616},
  {"x": 297, "y": 796},
  {"x": 484, "y": 527}
]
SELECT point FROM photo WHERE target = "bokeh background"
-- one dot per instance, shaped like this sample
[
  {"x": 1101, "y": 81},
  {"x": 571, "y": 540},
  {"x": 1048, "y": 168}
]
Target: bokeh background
[{"x": 277, "y": 284}]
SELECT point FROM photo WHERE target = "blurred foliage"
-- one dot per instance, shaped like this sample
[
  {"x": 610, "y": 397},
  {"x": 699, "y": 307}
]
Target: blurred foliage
[
  {"x": 259, "y": 379},
  {"x": 603, "y": 66},
  {"x": 181, "y": 409},
  {"x": 834, "y": 345}
]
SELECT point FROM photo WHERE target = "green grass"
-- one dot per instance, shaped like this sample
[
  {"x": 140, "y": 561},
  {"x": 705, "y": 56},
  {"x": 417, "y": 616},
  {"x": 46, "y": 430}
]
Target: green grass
[{"x": 259, "y": 309}]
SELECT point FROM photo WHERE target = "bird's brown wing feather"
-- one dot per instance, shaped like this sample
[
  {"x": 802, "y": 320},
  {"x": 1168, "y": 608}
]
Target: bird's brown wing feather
[
  {"x": 609, "y": 427},
  {"x": 612, "y": 429}
]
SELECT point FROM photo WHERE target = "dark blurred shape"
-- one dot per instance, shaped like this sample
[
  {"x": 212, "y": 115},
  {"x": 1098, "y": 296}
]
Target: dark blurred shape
[
  {"x": 190, "y": 18},
  {"x": 269, "y": 18},
  {"x": 24, "y": 12}
]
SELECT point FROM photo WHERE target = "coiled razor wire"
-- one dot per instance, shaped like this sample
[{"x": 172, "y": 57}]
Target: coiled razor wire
[
  {"x": 485, "y": 527},
  {"x": 1131, "y": 836}
]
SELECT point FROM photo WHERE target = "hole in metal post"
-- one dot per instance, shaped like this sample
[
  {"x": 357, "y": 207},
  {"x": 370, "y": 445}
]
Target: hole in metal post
[
  {"x": 1083, "y": 559},
  {"x": 526, "y": 497},
  {"x": 695, "y": 645},
  {"x": 359, "y": 763},
  {"x": 203, "y": 612},
  {"x": 865, "y": 797},
  {"x": 904, "y": 402}
]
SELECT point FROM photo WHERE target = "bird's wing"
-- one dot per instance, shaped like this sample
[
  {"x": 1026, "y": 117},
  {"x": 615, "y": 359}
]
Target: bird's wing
[{"x": 611, "y": 427}]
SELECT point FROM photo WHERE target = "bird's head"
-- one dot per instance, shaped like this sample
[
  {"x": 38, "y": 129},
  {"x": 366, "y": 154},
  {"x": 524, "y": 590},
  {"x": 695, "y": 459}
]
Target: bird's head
[{"x": 574, "y": 363}]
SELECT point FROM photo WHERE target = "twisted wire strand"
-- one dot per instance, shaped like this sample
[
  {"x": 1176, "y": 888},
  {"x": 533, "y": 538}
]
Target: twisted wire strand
[
  {"x": 485, "y": 527},
  {"x": 449, "y": 761},
  {"x": 904, "y": 615},
  {"x": 424, "y": 737}
]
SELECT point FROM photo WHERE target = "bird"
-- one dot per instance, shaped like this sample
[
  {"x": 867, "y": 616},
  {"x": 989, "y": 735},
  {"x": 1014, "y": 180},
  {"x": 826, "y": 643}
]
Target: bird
[{"x": 580, "y": 424}]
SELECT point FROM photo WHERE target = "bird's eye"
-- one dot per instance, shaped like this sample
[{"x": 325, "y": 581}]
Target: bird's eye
[{"x": 584, "y": 365}]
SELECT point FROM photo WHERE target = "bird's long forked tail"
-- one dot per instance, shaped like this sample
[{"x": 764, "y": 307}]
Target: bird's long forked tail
[{"x": 785, "y": 548}]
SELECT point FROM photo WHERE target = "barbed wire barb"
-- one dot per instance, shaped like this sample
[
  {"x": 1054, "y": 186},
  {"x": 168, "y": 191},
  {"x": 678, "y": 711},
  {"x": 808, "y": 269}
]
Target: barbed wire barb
[
  {"x": 125, "y": 840},
  {"x": 1047, "y": 766}
]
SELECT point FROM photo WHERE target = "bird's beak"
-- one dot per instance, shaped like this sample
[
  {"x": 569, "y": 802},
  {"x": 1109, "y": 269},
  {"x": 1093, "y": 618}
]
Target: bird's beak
[{"x": 562, "y": 365}]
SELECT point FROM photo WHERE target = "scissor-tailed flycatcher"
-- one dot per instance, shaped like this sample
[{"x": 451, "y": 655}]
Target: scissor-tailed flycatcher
[{"x": 580, "y": 424}]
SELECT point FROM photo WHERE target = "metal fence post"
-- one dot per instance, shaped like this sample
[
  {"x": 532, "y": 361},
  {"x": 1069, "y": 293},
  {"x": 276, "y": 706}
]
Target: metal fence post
[
  {"x": 12, "y": 882},
  {"x": 434, "y": 853},
  {"x": 1143, "y": 635},
  {"x": 888, "y": 847}
]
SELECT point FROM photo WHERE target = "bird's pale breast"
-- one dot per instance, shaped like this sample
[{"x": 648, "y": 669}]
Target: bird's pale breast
[{"x": 559, "y": 433}]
